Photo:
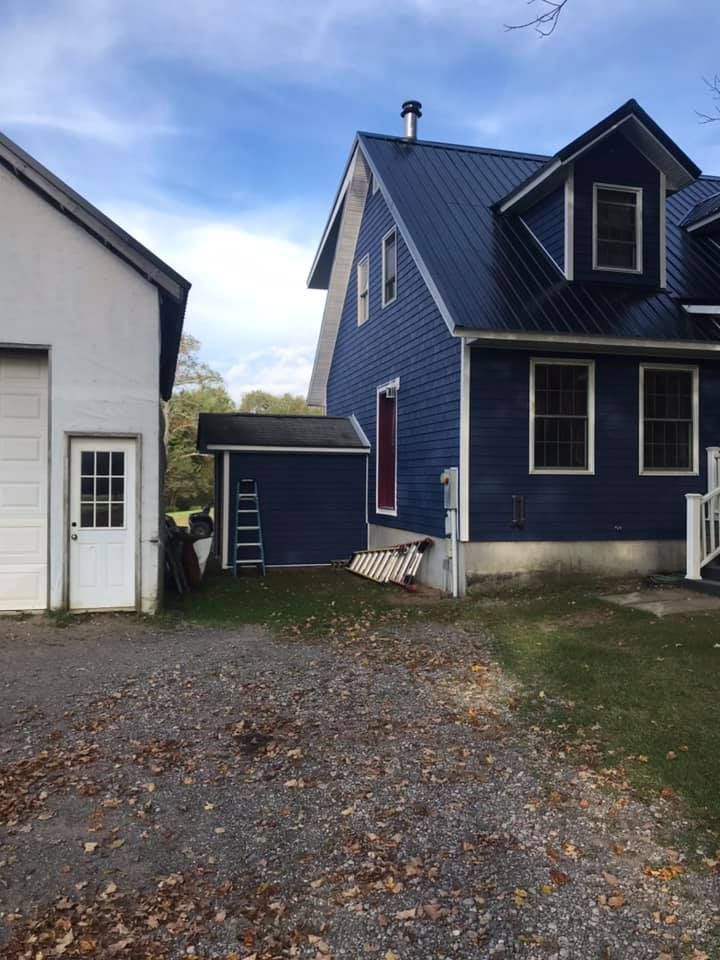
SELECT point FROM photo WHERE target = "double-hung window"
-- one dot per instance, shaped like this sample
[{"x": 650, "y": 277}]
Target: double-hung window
[
  {"x": 363, "y": 289},
  {"x": 562, "y": 416},
  {"x": 389, "y": 267},
  {"x": 617, "y": 228},
  {"x": 668, "y": 419}
]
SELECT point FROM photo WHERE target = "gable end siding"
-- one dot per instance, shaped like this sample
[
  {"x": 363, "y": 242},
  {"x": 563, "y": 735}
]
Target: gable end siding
[
  {"x": 546, "y": 221},
  {"x": 408, "y": 340},
  {"x": 617, "y": 161},
  {"x": 614, "y": 503}
]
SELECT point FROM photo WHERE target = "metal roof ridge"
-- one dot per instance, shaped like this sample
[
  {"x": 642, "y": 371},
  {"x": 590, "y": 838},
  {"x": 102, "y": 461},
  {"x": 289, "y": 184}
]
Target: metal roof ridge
[{"x": 469, "y": 148}]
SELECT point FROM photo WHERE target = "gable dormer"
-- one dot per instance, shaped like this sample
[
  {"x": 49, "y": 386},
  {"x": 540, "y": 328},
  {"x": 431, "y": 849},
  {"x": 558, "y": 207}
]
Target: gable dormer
[{"x": 597, "y": 207}]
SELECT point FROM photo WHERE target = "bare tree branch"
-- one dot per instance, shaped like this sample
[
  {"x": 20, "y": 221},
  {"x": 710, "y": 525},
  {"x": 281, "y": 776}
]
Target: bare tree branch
[
  {"x": 714, "y": 89},
  {"x": 546, "y": 21}
]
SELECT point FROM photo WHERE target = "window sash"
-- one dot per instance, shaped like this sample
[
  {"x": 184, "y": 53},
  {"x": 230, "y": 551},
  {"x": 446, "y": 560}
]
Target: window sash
[
  {"x": 561, "y": 416},
  {"x": 617, "y": 228},
  {"x": 389, "y": 267},
  {"x": 668, "y": 420}
]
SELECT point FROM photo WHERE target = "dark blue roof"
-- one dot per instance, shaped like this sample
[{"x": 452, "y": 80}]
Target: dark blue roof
[
  {"x": 706, "y": 208},
  {"x": 491, "y": 274}
]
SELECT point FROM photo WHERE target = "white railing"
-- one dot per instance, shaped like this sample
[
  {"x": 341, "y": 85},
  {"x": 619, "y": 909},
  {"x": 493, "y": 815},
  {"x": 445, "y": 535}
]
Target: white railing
[{"x": 703, "y": 520}]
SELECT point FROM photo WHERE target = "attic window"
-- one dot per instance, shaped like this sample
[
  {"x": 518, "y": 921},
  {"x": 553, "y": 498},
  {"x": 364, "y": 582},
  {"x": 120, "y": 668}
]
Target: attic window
[
  {"x": 389, "y": 267},
  {"x": 363, "y": 287},
  {"x": 617, "y": 228}
]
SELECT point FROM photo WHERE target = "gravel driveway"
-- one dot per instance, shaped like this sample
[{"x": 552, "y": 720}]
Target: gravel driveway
[{"x": 228, "y": 793}]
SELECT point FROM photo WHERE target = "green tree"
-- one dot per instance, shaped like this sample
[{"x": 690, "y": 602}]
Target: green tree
[
  {"x": 260, "y": 401},
  {"x": 198, "y": 389}
]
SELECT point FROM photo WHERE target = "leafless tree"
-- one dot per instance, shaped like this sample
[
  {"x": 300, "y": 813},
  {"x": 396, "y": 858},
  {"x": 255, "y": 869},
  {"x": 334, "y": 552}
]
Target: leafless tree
[
  {"x": 546, "y": 19},
  {"x": 714, "y": 88}
]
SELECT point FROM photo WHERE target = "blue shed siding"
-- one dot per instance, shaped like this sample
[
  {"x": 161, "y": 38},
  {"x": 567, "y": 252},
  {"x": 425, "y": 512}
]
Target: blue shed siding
[
  {"x": 614, "y": 503},
  {"x": 617, "y": 161},
  {"x": 546, "y": 221},
  {"x": 312, "y": 505},
  {"x": 407, "y": 339}
]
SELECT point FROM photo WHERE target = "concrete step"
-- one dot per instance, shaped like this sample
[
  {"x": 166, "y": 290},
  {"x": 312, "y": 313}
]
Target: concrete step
[
  {"x": 711, "y": 587},
  {"x": 711, "y": 571}
]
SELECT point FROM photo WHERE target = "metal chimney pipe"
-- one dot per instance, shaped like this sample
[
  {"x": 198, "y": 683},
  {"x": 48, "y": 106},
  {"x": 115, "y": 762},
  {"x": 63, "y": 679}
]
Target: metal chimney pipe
[{"x": 411, "y": 113}]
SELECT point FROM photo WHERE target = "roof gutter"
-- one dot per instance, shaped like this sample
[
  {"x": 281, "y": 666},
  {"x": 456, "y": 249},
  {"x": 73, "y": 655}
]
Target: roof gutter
[{"x": 562, "y": 341}]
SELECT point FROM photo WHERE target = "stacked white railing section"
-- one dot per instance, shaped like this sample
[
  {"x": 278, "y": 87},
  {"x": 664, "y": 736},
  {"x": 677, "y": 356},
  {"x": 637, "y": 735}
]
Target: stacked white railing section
[{"x": 703, "y": 520}]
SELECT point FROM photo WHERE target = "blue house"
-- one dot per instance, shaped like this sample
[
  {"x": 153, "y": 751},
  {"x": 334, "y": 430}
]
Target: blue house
[{"x": 549, "y": 326}]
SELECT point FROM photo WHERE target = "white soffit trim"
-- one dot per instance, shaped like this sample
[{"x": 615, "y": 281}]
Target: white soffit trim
[
  {"x": 410, "y": 244},
  {"x": 359, "y": 431},
  {"x": 355, "y": 196},
  {"x": 229, "y": 447},
  {"x": 342, "y": 190},
  {"x": 703, "y": 223},
  {"x": 711, "y": 310},
  {"x": 642, "y": 138},
  {"x": 579, "y": 342}
]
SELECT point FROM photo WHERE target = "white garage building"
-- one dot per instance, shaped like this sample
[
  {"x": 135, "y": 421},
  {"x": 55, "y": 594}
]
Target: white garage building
[{"x": 90, "y": 324}]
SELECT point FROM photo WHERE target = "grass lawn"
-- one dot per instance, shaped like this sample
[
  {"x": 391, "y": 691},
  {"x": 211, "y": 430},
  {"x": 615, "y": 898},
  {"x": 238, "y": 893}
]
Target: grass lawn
[
  {"x": 311, "y": 597},
  {"x": 620, "y": 688}
]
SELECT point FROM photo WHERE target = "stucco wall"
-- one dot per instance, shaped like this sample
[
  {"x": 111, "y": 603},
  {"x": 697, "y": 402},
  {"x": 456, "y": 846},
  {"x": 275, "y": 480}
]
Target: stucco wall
[{"x": 61, "y": 289}]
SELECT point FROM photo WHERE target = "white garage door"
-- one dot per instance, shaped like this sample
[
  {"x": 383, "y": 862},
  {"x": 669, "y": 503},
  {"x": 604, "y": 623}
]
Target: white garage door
[{"x": 23, "y": 480}]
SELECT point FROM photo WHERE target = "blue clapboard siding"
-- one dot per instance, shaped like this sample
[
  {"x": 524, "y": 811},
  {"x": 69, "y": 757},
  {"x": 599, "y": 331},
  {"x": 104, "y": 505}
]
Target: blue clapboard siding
[
  {"x": 312, "y": 505},
  {"x": 546, "y": 220},
  {"x": 407, "y": 339},
  {"x": 617, "y": 161},
  {"x": 575, "y": 507}
]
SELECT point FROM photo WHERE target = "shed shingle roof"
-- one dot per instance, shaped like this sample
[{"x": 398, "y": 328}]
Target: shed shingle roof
[{"x": 272, "y": 430}]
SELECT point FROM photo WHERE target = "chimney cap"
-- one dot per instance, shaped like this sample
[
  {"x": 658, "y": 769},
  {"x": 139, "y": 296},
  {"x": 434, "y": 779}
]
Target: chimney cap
[{"x": 411, "y": 106}]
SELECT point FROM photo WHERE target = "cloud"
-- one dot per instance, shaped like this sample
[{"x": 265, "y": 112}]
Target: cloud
[
  {"x": 249, "y": 305},
  {"x": 277, "y": 370}
]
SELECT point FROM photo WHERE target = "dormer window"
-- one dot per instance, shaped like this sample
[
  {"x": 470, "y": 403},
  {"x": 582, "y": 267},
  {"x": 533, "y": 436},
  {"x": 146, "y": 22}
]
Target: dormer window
[{"x": 617, "y": 228}]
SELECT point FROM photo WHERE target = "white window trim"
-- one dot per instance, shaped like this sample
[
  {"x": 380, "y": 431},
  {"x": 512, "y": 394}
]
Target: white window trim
[
  {"x": 694, "y": 471},
  {"x": 638, "y": 191},
  {"x": 363, "y": 260},
  {"x": 557, "y": 471},
  {"x": 386, "y": 303},
  {"x": 390, "y": 385}
]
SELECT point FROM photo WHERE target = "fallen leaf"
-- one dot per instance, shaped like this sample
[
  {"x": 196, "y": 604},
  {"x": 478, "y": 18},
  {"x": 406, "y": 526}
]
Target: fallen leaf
[
  {"x": 91, "y": 846},
  {"x": 616, "y": 900}
]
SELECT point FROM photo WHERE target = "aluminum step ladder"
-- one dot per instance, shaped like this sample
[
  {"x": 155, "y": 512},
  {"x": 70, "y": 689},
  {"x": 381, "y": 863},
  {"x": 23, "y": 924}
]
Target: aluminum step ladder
[{"x": 248, "y": 540}]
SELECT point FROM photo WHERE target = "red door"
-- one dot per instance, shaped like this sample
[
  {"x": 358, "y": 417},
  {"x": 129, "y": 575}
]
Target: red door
[{"x": 386, "y": 450}]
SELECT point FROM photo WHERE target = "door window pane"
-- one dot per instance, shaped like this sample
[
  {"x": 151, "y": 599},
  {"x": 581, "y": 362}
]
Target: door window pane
[{"x": 102, "y": 489}]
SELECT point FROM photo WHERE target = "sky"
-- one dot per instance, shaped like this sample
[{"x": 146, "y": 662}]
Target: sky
[{"x": 216, "y": 131}]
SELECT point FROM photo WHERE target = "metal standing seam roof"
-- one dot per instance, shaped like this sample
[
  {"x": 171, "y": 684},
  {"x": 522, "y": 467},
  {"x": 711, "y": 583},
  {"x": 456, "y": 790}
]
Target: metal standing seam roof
[
  {"x": 253, "y": 430},
  {"x": 490, "y": 273}
]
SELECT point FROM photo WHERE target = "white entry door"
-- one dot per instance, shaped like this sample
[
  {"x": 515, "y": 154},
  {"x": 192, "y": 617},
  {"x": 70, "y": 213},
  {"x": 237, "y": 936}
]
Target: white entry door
[{"x": 103, "y": 523}]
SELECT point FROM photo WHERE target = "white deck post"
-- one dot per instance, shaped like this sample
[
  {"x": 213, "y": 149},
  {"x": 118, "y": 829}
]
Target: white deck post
[
  {"x": 694, "y": 535},
  {"x": 713, "y": 468}
]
